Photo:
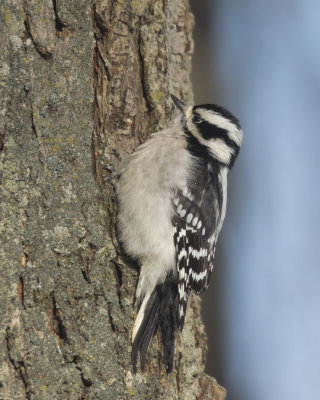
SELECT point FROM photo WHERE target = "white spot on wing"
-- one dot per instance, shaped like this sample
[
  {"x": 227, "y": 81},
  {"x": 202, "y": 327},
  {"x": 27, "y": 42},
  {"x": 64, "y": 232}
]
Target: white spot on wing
[
  {"x": 182, "y": 254},
  {"x": 182, "y": 233},
  {"x": 200, "y": 276},
  {"x": 181, "y": 310}
]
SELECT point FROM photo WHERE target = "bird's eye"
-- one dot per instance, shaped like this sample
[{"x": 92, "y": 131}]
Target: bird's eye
[{"x": 196, "y": 119}]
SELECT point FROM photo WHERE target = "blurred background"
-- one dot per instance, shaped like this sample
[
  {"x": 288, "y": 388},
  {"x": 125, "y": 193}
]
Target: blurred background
[{"x": 261, "y": 60}]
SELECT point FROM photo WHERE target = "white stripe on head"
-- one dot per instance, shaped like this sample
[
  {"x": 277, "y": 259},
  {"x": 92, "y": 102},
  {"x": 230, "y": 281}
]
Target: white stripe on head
[
  {"x": 218, "y": 148},
  {"x": 233, "y": 132}
]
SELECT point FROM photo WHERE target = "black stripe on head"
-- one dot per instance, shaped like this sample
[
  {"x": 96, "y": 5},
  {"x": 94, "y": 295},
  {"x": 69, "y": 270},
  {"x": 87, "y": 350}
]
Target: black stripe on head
[
  {"x": 198, "y": 150},
  {"x": 195, "y": 147},
  {"x": 201, "y": 151},
  {"x": 219, "y": 110},
  {"x": 209, "y": 131}
]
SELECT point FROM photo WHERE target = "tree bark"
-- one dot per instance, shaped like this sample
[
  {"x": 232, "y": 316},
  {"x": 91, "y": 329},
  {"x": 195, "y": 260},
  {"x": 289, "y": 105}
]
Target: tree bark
[{"x": 82, "y": 84}]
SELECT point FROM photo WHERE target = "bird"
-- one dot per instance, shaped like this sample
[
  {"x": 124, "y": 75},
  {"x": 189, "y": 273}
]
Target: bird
[{"x": 171, "y": 203}]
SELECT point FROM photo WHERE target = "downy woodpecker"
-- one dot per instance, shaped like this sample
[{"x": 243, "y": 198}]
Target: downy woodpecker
[{"x": 172, "y": 194}]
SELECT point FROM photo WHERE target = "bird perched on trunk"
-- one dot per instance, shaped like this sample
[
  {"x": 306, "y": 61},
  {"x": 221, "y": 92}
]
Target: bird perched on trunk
[{"x": 172, "y": 194}]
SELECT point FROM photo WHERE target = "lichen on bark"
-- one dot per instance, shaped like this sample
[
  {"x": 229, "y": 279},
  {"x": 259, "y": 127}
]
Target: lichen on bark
[{"x": 82, "y": 84}]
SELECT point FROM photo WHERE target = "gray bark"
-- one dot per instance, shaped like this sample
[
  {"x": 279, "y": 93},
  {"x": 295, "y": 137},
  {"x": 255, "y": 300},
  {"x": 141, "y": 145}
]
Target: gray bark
[{"x": 82, "y": 84}]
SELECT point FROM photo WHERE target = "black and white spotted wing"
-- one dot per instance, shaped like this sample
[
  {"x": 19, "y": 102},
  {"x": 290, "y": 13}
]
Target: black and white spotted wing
[{"x": 194, "y": 246}]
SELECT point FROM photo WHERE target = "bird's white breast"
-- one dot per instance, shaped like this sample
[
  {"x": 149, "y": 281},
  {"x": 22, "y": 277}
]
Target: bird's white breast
[{"x": 146, "y": 187}]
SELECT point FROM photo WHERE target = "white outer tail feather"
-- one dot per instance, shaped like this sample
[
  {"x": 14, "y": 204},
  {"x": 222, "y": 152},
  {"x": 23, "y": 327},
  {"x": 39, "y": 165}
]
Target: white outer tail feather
[{"x": 140, "y": 316}]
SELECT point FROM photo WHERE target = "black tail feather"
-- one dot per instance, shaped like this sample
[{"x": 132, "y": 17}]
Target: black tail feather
[
  {"x": 146, "y": 330},
  {"x": 148, "y": 333},
  {"x": 168, "y": 322},
  {"x": 162, "y": 309}
]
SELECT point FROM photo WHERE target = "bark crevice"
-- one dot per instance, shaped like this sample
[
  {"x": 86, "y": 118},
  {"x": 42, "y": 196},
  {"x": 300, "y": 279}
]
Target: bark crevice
[
  {"x": 57, "y": 324},
  {"x": 60, "y": 26},
  {"x": 18, "y": 365},
  {"x": 41, "y": 50},
  {"x": 144, "y": 85}
]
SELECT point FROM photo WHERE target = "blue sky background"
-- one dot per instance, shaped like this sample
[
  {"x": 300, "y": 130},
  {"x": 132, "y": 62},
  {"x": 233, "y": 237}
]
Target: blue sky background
[{"x": 261, "y": 60}]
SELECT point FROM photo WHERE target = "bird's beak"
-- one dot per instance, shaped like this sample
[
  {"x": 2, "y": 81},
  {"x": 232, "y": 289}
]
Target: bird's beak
[{"x": 179, "y": 104}]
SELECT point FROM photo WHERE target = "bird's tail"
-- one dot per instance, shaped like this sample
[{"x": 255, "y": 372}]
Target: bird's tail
[{"x": 159, "y": 307}]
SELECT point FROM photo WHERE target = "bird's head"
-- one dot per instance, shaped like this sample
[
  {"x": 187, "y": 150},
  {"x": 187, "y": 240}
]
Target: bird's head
[{"x": 213, "y": 127}]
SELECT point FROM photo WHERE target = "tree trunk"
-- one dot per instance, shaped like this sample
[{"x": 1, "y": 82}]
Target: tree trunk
[{"x": 82, "y": 84}]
